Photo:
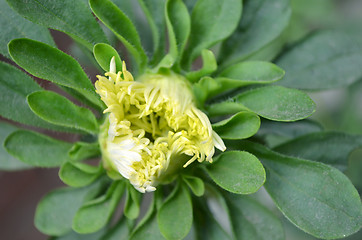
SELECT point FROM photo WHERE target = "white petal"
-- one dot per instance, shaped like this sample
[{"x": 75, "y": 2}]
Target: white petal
[{"x": 218, "y": 142}]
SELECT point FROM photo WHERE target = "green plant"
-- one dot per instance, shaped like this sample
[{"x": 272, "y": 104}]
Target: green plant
[{"x": 157, "y": 119}]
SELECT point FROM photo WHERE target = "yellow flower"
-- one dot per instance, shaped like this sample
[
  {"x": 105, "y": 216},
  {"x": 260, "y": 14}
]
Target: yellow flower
[{"x": 154, "y": 127}]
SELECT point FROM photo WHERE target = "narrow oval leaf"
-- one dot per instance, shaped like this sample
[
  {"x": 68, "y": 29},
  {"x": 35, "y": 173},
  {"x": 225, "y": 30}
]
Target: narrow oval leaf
[
  {"x": 71, "y": 17},
  {"x": 225, "y": 108},
  {"x": 332, "y": 148},
  {"x": 206, "y": 226},
  {"x": 133, "y": 202},
  {"x": 94, "y": 215},
  {"x": 56, "y": 210},
  {"x": 104, "y": 53},
  {"x": 58, "y": 110},
  {"x": 317, "y": 198},
  {"x": 276, "y": 133},
  {"x": 50, "y": 63},
  {"x": 84, "y": 150},
  {"x": 328, "y": 59},
  {"x": 148, "y": 230},
  {"x": 8, "y": 162},
  {"x": 210, "y": 229},
  {"x": 15, "y": 85},
  {"x": 196, "y": 184},
  {"x": 37, "y": 149},
  {"x": 133, "y": 11},
  {"x": 262, "y": 22},
  {"x": 121, "y": 26},
  {"x": 289, "y": 129},
  {"x": 154, "y": 11},
  {"x": 209, "y": 65},
  {"x": 273, "y": 102},
  {"x": 237, "y": 172},
  {"x": 239, "y": 126},
  {"x": 252, "y": 221},
  {"x": 211, "y": 22},
  {"x": 80, "y": 97},
  {"x": 175, "y": 215},
  {"x": 119, "y": 231},
  {"x": 247, "y": 73},
  {"x": 76, "y": 236},
  {"x": 178, "y": 26},
  {"x": 79, "y": 174},
  {"x": 15, "y": 26},
  {"x": 205, "y": 88},
  {"x": 278, "y": 103}
]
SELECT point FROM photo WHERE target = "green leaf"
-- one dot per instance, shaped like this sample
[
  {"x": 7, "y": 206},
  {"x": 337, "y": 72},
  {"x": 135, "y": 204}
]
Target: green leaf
[
  {"x": 36, "y": 149},
  {"x": 49, "y": 63},
  {"x": 15, "y": 85},
  {"x": 133, "y": 10},
  {"x": 178, "y": 26},
  {"x": 118, "y": 232},
  {"x": 211, "y": 22},
  {"x": 262, "y": 22},
  {"x": 190, "y": 4},
  {"x": 103, "y": 53},
  {"x": 71, "y": 17},
  {"x": 175, "y": 215},
  {"x": 239, "y": 126},
  {"x": 252, "y": 221},
  {"x": 76, "y": 236},
  {"x": 15, "y": 26},
  {"x": 133, "y": 202},
  {"x": 204, "y": 89},
  {"x": 209, "y": 65},
  {"x": 55, "y": 211},
  {"x": 206, "y": 226},
  {"x": 327, "y": 59},
  {"x": 154, "y": 11},
  {"x": 270, "y": 51},
  {"x": 289, "y": 129},
  {"x": 332, "y": 148},
  {"x": 196, "y": 184},
  {"x": 217, "y": 205},
  {"x": 79, "y": 174},
  {"x": 237, "y": 172},
  {"x": 8, "y": 162},
  {"x": 247, "y": 73},
  {"x": 128, "y": 8},
  {"x": 121, "y": 26},
  {"x": 273, "y": 102},
  {"x": 148, "y": 230},
  {"x": 317, "y": 198},
  {"x": 95, "y": 214},
  {"x": 78, "y": 96},
  {"x": 238, "y": 75},
  {"x": 276, "y": 133},
  {"x": 278, "y": 103},
  {"x": 167, "y": 62},
  {"x": 58, "y": 110},
  {"x": 84, "y": 150},
  {"x": 209, "y": 229}
]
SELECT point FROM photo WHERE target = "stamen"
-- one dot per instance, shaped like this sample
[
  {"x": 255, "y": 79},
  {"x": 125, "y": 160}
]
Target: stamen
[{"x": 151, "y": 122}]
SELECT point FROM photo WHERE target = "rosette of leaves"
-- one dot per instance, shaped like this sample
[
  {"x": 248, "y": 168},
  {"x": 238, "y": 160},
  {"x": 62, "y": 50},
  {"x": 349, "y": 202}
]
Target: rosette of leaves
[{"x": 298, "y": 163}]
